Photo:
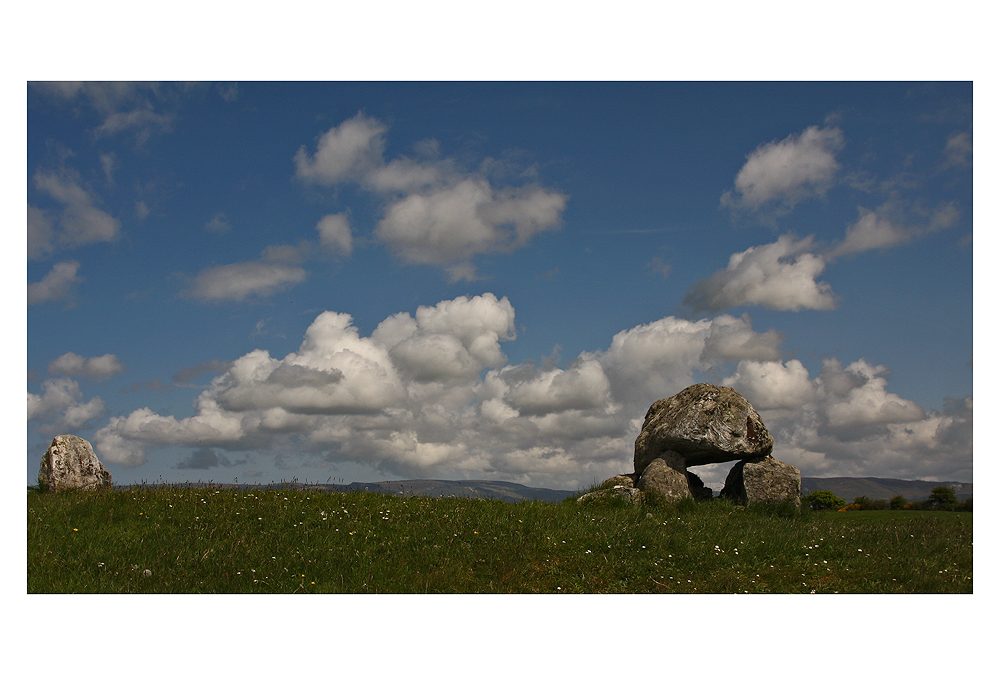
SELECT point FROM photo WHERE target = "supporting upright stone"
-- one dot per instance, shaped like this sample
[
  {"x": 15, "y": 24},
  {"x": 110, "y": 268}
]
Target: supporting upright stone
[
  {"x": 70, "y": 463},
  {"x": 666, "y": 476},
  {"x": 763, "y": 480}
]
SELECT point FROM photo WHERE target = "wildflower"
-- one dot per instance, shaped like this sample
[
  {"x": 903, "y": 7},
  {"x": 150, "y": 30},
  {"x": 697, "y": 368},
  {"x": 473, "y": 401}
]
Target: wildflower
[{"x": 75, "y": 530}]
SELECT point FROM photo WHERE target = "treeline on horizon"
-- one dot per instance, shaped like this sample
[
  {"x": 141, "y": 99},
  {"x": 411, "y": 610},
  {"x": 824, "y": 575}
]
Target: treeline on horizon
[{"x": 941, "y": 499}]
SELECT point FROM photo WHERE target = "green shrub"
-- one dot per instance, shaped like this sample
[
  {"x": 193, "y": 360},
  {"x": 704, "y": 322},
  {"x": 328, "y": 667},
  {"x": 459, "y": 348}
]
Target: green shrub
[
  {"x": 897, "y": 503},
  {"x": 823, "y": 500}
]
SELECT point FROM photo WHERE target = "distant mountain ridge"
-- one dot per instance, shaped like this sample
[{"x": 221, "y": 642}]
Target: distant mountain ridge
[
  {"x": 481, "y": 489},
  {"x": 844, "y": 487}
]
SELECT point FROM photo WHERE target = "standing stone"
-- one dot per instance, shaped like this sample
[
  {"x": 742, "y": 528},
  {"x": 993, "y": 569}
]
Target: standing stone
[
  {"x": 70, "y": 463},
  {"x": 621, "y": 480},
  {"x": 763, "y": 480},
  {"x": 704, "y": 424},
  {"x": 666, "y": 476},
  {"x": 699, "y": 490},
  {"x": 630, "y": 495}
]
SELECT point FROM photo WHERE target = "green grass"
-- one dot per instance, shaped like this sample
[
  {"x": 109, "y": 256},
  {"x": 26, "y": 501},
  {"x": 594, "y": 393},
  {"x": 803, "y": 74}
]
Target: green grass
[{"x": 290, "y": 541}]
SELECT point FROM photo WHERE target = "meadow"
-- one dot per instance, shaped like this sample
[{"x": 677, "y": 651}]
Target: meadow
[{"x": 166, "y": 539}]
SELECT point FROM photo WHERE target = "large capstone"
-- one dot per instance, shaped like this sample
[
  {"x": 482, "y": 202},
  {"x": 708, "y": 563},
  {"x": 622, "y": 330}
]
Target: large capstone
[
  {"x": 763, "y": 481},
  {"x": 70, "y": 463},
  {"x": 704, "y": 424}
]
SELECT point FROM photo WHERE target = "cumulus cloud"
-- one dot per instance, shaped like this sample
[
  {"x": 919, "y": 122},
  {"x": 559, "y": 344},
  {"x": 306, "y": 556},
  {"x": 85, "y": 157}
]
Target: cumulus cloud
[
  {"x": 94, "y": 368},
  {"x": 57, "y": 285},
  {"x": 845, "y": 422},
  {"x": 335, "y": 234},
  {"x": 60, "y": 407},
  {"x": 458, "y": 221},
  {"x": 78, "y": 222},
  {"x": 346, "y": 152},
  {"x": 435, "y": 213},
  {"x": 784, "y": 275},
  {"x": 787, "y": 172},
  {"x": 781, "y": 276},
  {"x": 430, "y": 394}
]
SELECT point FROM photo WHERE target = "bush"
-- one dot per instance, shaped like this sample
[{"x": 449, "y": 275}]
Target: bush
[
  {"x": 865, "y": 504},
  {"x": 823, "y": 500},
  {"x": 897, "y": 503},
  {"x": 943, "y": 498}
]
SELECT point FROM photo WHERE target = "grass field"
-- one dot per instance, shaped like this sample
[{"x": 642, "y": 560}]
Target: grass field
[{"x": 173, "y": 540}]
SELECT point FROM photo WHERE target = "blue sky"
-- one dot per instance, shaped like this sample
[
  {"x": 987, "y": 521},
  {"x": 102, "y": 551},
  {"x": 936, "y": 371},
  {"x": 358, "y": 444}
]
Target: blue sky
[{"x": 372, "y": 281}]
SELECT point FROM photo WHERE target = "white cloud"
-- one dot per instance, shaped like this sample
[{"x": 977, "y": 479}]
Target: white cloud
[
  {"x": 124, "y": 439},
  {"x": 218, "y": 224},
  {"x": 347, "y": 152},
  {"x": 788, "y": 171},
  {"x": 779, "y": 276},
  {"x": 783, "y": 275},
  {"x": 865, "y": 402},
  {"x": 57, "y": 285},
  {"x": 79, "y": 222},
  {"x": 430, "y": 394},
  {"x": 533, "y": 393},
  {"x": 335, "y": 233},
  {"x": 871, "y": 232},
  {"x": 458, "y": 221},
  {"x": 239, "y": 281},
  {"x": 958, "y": 150},
  {"x": 773, "y": 385},
  {"x": 435, "y": 213},
  {"x": 846, "y": 422},
  {"x": 60, "y": 407},
  {"x": 123, "y": 106},
  {"x": 94, "y": 368},
  {"x": 41, "y": 234},
  {"x": 141, "y": 120}
]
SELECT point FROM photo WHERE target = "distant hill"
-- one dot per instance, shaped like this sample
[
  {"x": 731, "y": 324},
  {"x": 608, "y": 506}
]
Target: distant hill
[
  {"x": 482, "y": 489},
  {"x": 845, "y": 488},
  {"x": 882, "y": 488}
]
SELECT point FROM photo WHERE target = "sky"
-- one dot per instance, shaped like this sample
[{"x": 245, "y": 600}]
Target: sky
[{"x": 359, "y": 281}]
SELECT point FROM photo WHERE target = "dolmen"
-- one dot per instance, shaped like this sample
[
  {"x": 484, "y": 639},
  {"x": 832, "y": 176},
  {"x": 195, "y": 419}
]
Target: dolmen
[{"x": 704, "y": 424}]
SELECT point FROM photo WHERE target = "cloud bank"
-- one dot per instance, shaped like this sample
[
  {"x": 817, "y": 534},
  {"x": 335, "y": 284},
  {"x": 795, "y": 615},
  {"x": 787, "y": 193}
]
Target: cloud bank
[{"x": 431, "y": 394}]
